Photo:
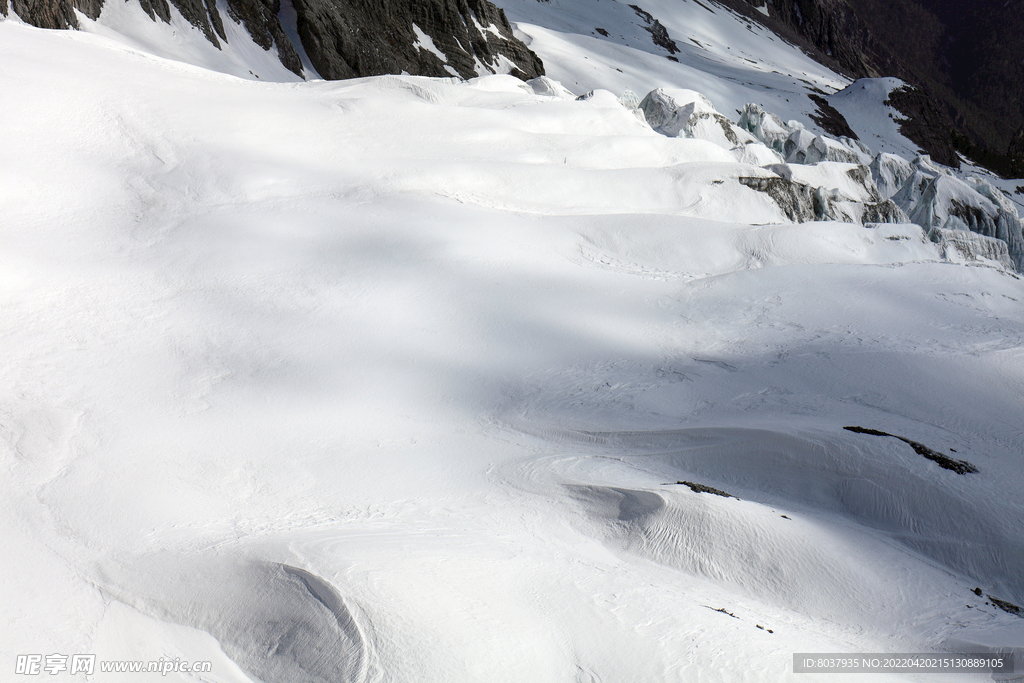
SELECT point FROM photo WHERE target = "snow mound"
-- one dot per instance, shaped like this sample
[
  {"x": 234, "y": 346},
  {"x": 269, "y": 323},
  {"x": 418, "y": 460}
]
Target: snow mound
[{"x": 544, "y": 86}]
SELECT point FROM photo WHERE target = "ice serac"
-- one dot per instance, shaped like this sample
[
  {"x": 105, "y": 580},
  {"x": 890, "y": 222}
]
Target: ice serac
[
  {"x": 767, "y": 127},
  {"x": 804, "y": 147},
  {"x": 961, "y": 245},
  {"x": 686, "y": 113},
  {"x": 935, "y": 199},
  {"x": 345, "y": 38},
  {"x": 841, "y": 192},
  {"x": 891, "y": 173}
]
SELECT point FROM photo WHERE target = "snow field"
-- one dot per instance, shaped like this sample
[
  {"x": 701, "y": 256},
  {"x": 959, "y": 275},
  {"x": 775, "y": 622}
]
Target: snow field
[{"x": 397, "y": 370}]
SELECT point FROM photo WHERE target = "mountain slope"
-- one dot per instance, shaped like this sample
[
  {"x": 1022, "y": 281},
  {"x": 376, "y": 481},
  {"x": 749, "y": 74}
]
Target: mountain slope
[
  {"x": 464, "y": 38},
  {"x": 403, "y": 378},
  {"x": 960, "y": 57}
]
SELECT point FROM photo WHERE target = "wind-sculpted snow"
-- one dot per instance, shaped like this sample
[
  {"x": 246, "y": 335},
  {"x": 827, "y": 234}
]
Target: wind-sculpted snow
[
  {"x": 279, "y": 623},
  {"x": 393, "y": 379}
]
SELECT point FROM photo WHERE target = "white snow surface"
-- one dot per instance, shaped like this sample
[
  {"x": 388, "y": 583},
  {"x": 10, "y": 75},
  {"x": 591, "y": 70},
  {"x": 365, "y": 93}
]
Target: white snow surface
[{"x": 392, "y": 379}]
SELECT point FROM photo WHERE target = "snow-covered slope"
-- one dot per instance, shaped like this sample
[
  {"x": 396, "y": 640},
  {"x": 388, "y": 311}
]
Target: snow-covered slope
[
  {"x": 706, "y": 48},
  {"x": 238, "y": 55},
  {"x": 393, "y": 379}
]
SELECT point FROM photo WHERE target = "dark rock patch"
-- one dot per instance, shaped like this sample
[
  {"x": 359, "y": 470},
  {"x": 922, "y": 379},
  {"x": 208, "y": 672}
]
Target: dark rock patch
[
  {"x": 829, "y": 118},
  {"x": 926, "y": 125},
  {"x": 722, "y": 610},
  {"x": 701, "y": 488},
  {"x": 1016, "y": 155},
  {"x": 944, "y": 461},
  {"x": 659, "y": 34},
  {"x": 884, "y": 211},
  {"x": 796, "y": 200},
  {"x": 344, "y": 38},
  {"x": 355, "y": 38},
  {"x": 962, "y": 58},
  {"x": 1008, "y": 607},
  {"x": 260, "y": 18}
]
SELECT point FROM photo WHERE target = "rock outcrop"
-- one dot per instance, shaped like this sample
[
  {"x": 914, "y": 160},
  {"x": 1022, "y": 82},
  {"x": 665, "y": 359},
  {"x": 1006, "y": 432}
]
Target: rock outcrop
[
  {"x": 345, "y": 38},
  {"x": 1016, "y": 154},
  {"x": 465, "y": 38},
  {"x": 925, "y": 124}
]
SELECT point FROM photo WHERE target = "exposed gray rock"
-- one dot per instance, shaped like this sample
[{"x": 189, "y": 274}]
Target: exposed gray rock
[
  {"x": 829, "y": 118},
  {"x": 965, "y": 59},
  {"x": 260, "y": 18},
  {"x": 351, "y": 38},
  {"x": 345, "y": 38},
  {"x": 926, "y": 124},
  {"x": 797, "y": 200},
  {"x": 884, "y": 211},
  {"x": 861, "y": 175},
  {"x": 659, "y": 34},
  {"x": 49, "y": 13},
  {"x": 802, "y": 201}
]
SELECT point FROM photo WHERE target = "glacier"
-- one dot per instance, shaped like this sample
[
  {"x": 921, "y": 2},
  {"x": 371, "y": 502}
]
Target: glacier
[{"x": 405, "y": 378}]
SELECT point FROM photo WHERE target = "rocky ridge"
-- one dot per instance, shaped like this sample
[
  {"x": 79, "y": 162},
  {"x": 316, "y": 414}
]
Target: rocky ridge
[{"x": 343, "y": 38}]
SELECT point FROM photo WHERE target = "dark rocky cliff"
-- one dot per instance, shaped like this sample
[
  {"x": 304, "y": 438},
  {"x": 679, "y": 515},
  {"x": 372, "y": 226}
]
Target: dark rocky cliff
[
  {"x": 343, "y": 38},
  {"x": 963, "y": 59},
  {"x": 347, "y": 38},
  {"x": 1016, "y": 153}
]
